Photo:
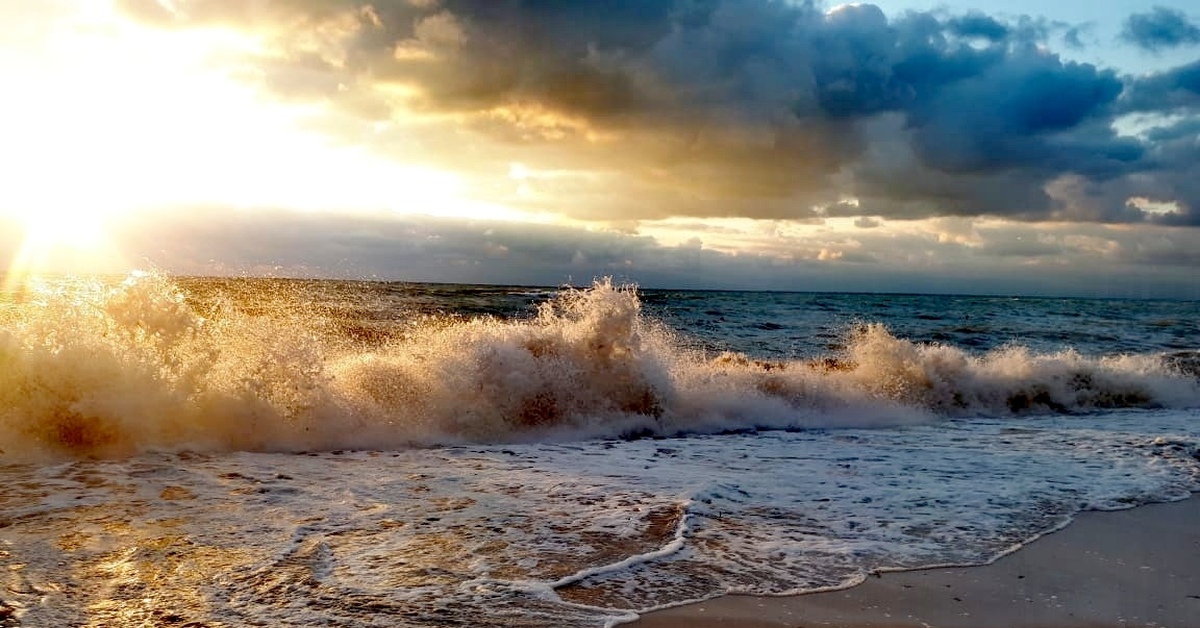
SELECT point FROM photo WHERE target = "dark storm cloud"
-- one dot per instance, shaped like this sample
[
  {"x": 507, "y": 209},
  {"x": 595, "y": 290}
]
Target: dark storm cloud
[
  {"x": 1160, "y": 28},
  {"x": 978, "y": 25},
  {"x": 1027, "y": 112},
  {"x": 758, "y": 108},
  {"x": 1178, "y": 184},
  {"x": 1166, "y": 92}
]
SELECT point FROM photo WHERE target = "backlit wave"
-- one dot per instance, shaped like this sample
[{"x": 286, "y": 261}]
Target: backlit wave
[{"x": 95, "y": 369}]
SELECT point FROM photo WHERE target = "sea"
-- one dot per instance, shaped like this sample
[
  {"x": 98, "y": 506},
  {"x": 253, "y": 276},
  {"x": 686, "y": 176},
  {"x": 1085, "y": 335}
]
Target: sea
[{"x": 281, "y": 452}]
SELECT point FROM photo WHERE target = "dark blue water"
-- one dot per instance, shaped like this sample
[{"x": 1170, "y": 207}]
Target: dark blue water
[
  {"x": 775, "y": 325},
  {"x": 802, "y": 325}
]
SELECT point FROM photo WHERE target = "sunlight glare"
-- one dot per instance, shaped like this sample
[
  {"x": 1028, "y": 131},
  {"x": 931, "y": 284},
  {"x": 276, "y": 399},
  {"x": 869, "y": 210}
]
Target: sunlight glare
[{"x": 113, "y": 119}]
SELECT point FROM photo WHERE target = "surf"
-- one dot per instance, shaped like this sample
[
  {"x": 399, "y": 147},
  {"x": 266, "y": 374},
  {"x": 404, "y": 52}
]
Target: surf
[{"x": 94, "y": 368}]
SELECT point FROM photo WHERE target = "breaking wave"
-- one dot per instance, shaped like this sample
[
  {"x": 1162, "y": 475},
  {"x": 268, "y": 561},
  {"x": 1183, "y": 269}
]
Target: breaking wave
[{"x": 93, "y": 369}]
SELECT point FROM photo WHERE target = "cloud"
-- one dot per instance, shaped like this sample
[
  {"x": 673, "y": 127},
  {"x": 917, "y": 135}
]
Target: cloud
[
  {"x": 1160, "y": 28},
  {"x": 1171, "y": 91},
  {"x": 1177, "y": 148},
  {"x": 704, "y": 108},
  {"x": 942, "y": 255},
  {"x": 977, "y": 24}
]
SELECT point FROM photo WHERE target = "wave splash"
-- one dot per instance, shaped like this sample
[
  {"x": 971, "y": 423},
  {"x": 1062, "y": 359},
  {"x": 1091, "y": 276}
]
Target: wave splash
[{"x": 88, "y": 369}]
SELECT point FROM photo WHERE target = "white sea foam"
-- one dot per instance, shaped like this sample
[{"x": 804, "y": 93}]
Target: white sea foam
[{"x": 90, "y": 369}]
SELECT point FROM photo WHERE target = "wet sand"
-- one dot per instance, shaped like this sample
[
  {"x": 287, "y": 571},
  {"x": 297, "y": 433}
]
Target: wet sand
[{"x": 1138, "y": 567}]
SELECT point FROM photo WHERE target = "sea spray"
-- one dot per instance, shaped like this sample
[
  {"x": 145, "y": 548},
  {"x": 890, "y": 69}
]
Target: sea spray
[
  {"x": 587, "y": 363},
  {"x": 89, "y": 368},
  {"x": 1011, "y": 379},
  {"x": 107, "y": 370}
]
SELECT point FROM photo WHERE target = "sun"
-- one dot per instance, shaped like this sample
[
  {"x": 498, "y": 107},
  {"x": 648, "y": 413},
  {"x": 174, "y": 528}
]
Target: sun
[
  {"x": 114, "y": 121},
  {"x": 77, "y": 229},
  {"x": 61, "y": 242}
]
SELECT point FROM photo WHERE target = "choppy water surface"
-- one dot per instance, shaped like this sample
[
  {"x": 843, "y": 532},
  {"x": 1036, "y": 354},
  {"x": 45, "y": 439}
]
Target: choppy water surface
[{"x": 265, "y": 452}]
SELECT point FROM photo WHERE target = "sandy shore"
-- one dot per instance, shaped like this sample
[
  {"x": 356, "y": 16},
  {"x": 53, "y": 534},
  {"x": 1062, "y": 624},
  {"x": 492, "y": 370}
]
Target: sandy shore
[{"x": 1137, "y": 567}]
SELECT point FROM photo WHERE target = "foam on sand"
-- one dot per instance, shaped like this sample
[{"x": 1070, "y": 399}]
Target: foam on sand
[{"x": 1129, "y": 568}]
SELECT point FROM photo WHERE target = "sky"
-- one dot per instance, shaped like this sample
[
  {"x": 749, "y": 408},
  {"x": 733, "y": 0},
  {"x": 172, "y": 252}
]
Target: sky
[{"x": 902, "y": 146}]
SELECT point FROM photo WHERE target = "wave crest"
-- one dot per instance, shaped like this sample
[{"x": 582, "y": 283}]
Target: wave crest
[{"x": 88, "y": 369}]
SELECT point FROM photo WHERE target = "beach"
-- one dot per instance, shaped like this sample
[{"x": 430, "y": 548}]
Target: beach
[{"x": 1138, "y": 567}]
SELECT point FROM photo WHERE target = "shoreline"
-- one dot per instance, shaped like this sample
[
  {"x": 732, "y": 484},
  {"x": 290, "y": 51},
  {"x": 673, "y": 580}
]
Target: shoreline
[{"x": 1106, "y": 569}]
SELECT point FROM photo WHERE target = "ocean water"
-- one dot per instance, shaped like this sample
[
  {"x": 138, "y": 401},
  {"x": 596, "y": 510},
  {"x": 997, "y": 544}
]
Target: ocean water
[{"x": 254, "y": 452}]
